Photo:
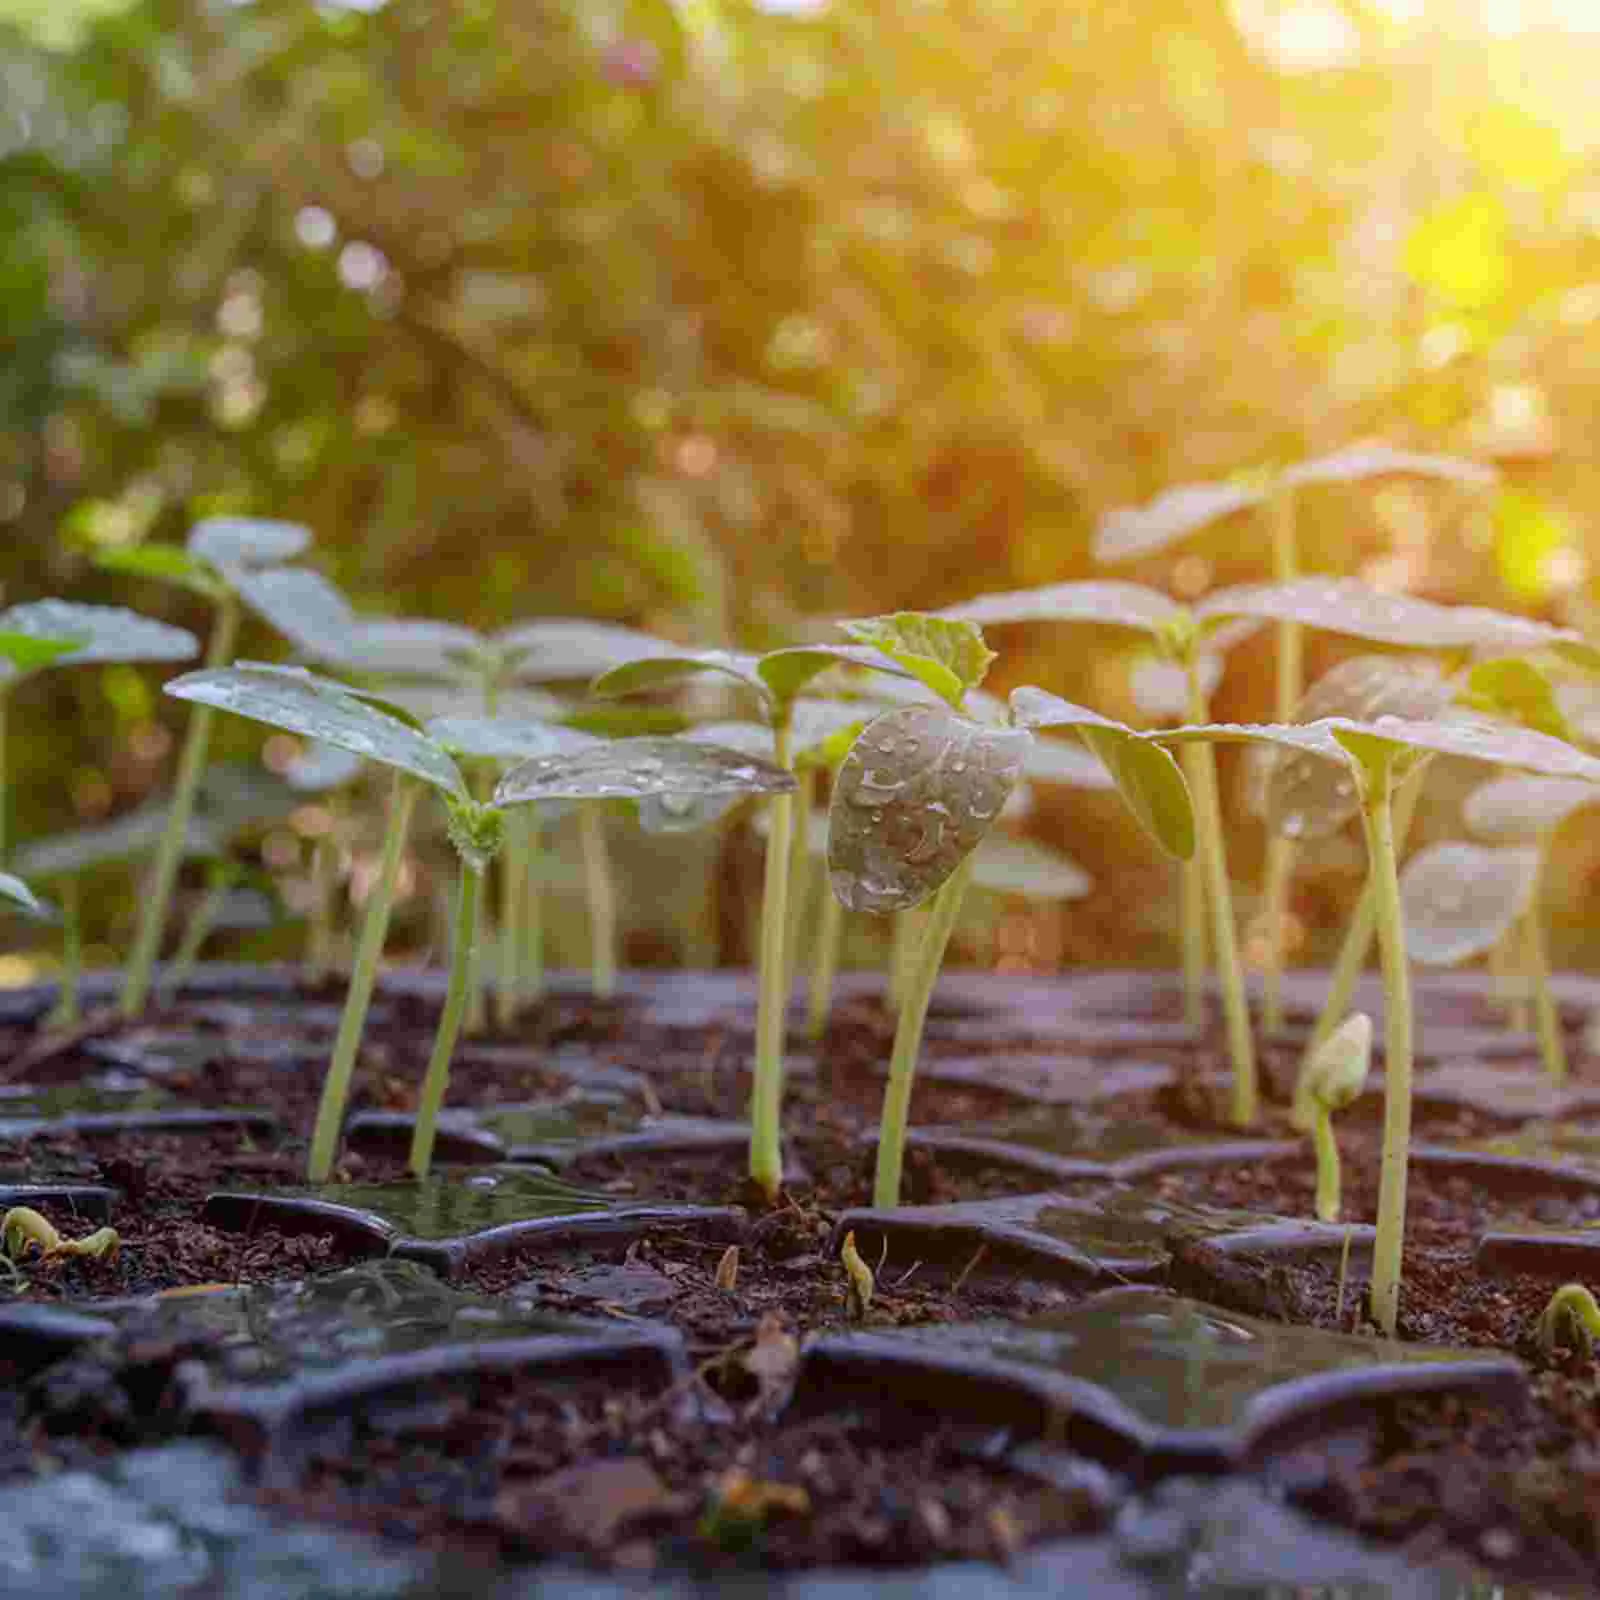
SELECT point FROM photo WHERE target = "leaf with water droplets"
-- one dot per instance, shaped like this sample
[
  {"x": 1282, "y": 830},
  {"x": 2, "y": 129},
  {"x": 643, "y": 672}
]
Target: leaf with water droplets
[
  {"x": 632, "y": 769},
  {"x": 1519, "y": 806},
  {"x": 1133, "y": 531},
  {"x": 1148, "y": 779},
  {"x": 302, "y": 605},
  {"x": 661, "y": 671},
  {"x": 1518, "y": 691},
  {"x": 165, "y": 563},
  {"x": 920, "y": 787},
  {"x": 549, "y": 649},
  {"x": 319, "y": 708},
  {"x": 1495, "y": 742},
  {"x": 19, "y": 894},
  {"x": 1306, "y": 795},
  {"x": 506, "y": 738},
  {"x": 949, "y": 656},
  {"x": 786, "y": 672},
  {"x": 1019, "y": 866},
  {"x": 1361, "y": 462},
  {"x": 98, "y": 633},
  {"x": 1459, "y": 900},
  {"x": 1122, "y": 605},
  {"x": 228, "y": 542},
  {"x": 1348, "y": 606}
]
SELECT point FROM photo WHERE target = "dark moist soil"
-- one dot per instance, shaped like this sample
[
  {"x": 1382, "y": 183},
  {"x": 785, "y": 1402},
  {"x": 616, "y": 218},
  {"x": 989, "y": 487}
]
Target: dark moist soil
[{"x": 707, "y": 1474}]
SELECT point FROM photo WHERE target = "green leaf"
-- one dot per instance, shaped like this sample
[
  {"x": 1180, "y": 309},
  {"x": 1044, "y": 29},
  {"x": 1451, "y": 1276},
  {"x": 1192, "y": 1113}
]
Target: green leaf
[
  {"x": 660, "y": 671},
  {"x": 1148, "y": 779},
  {"x": 918, "y": 790},
  {"x": 97, "y": 633},
  {"x": 318, "y": 708},
  {"x": 949, "y": 656},
  {"x": 553, "y": 648},
  {"x": 1122, "y": 605},
  {"x": 1518, "y": 691},
  {"x": 1519, "y": 806},
  {"x": 410, "y": 647},
  {"x": 632, "y": 769},
  {"x": 787, "y": 672},
  {"x": 226, "y": 543},
  {"x": 1461, "y": 899},
  {"x": 26, "y": 652},
  {"x": 1133, "y": 531},
  {"x": 505, "y": 738},
  {"x": 165, "y": 563},
  {"x": 129, "y": 837},
  {"x": 19, "y": 894},
  {"x": 302, "y": 605}
]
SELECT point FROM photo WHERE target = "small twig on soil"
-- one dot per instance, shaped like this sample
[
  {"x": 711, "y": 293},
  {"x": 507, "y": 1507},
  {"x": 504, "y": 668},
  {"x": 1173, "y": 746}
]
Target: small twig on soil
[
  {"x": 966, "y": 1271},
  {"x": 905, "y": 1277}
]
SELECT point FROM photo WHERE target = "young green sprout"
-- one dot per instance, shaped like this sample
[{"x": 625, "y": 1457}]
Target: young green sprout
[
  {"x": 1183, "y": 512},
  {"x": 61, "y": 633},
  {"x": 214, "y": 561},
  {"x": 1530, "y": 809},
  {"x": 1328, "y": 1082},
  {"x": 921, "y": 787},
  {"x": 318, "y": 708},
  {"x": 776, "y": 680},
  {"x": 29, "y": 1235},
  {"x": 1570, "y": 1315},
  {"x": 1375, "y": 755}
]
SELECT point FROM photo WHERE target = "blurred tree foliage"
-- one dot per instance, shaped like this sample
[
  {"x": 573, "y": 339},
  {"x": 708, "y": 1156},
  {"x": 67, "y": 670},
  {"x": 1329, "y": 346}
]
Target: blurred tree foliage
[{"x": 725, "y": 317}]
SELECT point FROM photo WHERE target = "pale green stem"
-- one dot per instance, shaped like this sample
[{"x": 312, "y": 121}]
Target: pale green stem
[
  {"x": 602, "y": 893},
  {"x": 1363, "y": 923},
  {"x": 477, "y": 1017},
  {"x": 463, "y": 965},
  {"x": 825, "y": 963},
  {"x": 68, "y": 1010},
  {"x": 164, "y": 873},
  {"x": 1200, "y": 767},
  {"x": 924, "y": 973},
  {"x": 800, "y": 874},
  {"x": 1290, "y": 675},
  {"x": 1192, "y": 911},
  {"x": 766, "y": 1095},
  {"x": 906, "y": 936},
  {"x": 1552, "y": 1049},
  {"x": 1385, "y": 874},
  {"x": 5, "y": 787},
  {"x": 1327, "y": 1153},
  {"x": 531, "y": 975},
  {"x": 364, "y": 974},
  {"x": 319, "y": 922},
  {"x": 513, "y": 896},
  {"x": 194, "y": 938}
]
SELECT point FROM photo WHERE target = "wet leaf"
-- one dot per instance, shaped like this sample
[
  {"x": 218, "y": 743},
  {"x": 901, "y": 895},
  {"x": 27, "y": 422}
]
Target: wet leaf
[
  {"x": 1123, "y": 605},
  {"x": 787, "y": 672},
  {"x": 1142, "y": 530},
  {"x": 227, "y": 542},
  {"x": 506, "y": 738},
  {"x": 634, "y": 769},
  {"x": 1519, "y": 806},
  {"x": 1008, "y": 865},
  {"x": 302, "y": 605},
  {"x": 1518, "y": 691},
  {"x": 1461, "y": 899},
  {"x": 94, "y": 633},
  {"x": 1361, "y": 462},
  {"x": 949, "y": 656},
  {"x": 661, "y": 671},
  {"x": 410, "y": 647},
  {"x": 549, "y": 649},
  {"x": 318, "y": 708},
  {"x": 1148, "y": 779},
  {"x": 1307, "y": 796},
  {"x": 19, "y": 894}
]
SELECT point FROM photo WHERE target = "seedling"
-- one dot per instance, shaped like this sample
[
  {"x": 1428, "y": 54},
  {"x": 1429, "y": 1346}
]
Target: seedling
[
  {"x": 1328, "y": 1082},
  {"x": 776, "y": 680},
  {"x": 1531, "y": 809},
  {"x": 61, "y": 633},
  {"x": 1374, "y": 754},
  {"x": 28, "y": 1235},
  {"x": 859, "y": 1281},
  {"x": 214, "y": 562},
  {"x": 921, "y": 787},
  {"x": 299, "y": 702},
  {"x": 1184, "y": 511},
  {"x": 1571, "y": 1316}
]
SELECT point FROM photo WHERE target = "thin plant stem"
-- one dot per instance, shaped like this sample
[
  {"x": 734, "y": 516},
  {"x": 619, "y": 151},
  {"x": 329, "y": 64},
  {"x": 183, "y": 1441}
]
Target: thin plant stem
[
  {"x": 463, "y": 976},
  {"x": 477, "y": 1018},
  {"x": 5, "y": 784},
  {"x": 1289, "y": 680},
  {"x": 69, "y": 1011},
  {"x": 1385, "y": 874},
  {"x": 1552, "y": 1049},
  {"x": 1200, "y": 768},
  {"x": 364, "y": 974},
  {"x": 602, "y": 896},
  {"x": 1363, "y": 923},
  {"x": 1192, "y": 912},
  {"x": 1326, "y": 1148},
  {"x": 824, "y": 964},
  {"x": 766, "y": 1095},
  {"x": 319, "y": 921},
  {"x": 924, "y": 973},
  {"x": 169, "y": 853},
  {"x": 513, "y": 896},
  {"x": 194, "y": 938},
  {"x": 800, "y": 874},
  {"x": 906, "y": 935},
  {"x": 530, "y": 961}
]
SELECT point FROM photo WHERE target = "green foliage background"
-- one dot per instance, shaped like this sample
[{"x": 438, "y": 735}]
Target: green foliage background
[{"x": 726, "y": 320}]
